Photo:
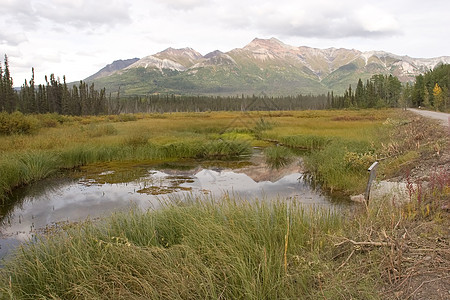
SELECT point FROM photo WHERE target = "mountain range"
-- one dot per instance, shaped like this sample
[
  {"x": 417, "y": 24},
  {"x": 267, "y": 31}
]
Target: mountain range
[{"x": 264, "y": 66}]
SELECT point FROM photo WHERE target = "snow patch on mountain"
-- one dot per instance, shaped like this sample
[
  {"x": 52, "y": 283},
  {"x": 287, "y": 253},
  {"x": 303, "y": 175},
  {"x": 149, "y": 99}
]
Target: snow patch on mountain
[{"x": 160, "y": 64}]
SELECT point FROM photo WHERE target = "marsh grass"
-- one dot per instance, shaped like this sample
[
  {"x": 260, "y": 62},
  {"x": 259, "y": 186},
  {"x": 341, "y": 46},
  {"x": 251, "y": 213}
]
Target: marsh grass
[
  {"x": 278, "y": 156},
  {"x": 231, "y": 248},
  {"x": 333, "y": 171},
  {"x": 94, "y": 130},
  {"x": 306, "y": 142},
  {"x": 26, "y": 168},
  {"x": 189, "y": 249},
  {"x": 224, "y": 149}
]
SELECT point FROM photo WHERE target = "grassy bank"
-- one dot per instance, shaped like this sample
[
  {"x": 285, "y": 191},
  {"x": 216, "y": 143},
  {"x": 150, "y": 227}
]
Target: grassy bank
[
  {"x": 205, "y": 249},
  {"x": 73, "y": 142}
]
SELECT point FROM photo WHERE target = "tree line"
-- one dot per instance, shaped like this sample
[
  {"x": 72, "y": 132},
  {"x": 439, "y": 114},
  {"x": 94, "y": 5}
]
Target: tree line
[
  {"x": 378, "y": 91},
  {"x": 159, "y": 103},
  {"x": 52, "y": 97},
  {"x": 430, "y": 90}
]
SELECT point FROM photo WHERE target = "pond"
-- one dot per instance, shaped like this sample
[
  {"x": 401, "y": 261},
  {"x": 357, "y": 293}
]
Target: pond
[{"x": 99, "y": 190}]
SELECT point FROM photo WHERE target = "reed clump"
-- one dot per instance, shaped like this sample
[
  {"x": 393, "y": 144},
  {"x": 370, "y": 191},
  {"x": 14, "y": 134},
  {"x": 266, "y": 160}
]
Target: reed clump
[
  {"x": 24, "y": 168},
  {"x": 278, "y": 156}
]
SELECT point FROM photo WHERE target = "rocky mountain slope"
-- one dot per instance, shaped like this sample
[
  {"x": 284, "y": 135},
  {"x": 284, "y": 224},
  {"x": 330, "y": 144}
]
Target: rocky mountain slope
[
  {"x": 264, "y": 66},
  {"x": 112, "y": 68}
]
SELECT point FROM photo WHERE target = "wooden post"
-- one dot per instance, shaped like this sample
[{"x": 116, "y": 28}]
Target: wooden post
[{"x": 372, "y": 174}]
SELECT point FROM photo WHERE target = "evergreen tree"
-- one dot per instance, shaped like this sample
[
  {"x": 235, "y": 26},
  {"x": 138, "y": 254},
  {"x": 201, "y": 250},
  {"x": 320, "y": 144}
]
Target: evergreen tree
[
  {"x": 426, "y": 98},
  {"x": 359, "y": 94},
  {"x": 9, "y": 95},
  {"x": 2, "y": 93}
]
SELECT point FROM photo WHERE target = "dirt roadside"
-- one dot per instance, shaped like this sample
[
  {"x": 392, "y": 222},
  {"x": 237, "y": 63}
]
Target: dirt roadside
[
  {"x": 422, "y": 258},
  {"x": 443, "y": 118}
]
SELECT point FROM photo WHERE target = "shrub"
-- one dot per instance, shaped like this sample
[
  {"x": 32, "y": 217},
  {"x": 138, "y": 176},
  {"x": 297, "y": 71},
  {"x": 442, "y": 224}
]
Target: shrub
[
  {"x": 17, "y": 123},
  {"x": 126, "y": 118}
]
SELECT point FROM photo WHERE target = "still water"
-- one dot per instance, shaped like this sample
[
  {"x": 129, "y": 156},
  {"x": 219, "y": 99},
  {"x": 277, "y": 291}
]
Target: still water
[{"x": 99, "y": 190}]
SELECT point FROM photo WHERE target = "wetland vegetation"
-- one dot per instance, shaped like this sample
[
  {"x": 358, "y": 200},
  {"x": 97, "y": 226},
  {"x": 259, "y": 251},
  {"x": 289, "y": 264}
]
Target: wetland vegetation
[
  {"x": 63, "y": 142},
  {"x": 226, "y": 247}
]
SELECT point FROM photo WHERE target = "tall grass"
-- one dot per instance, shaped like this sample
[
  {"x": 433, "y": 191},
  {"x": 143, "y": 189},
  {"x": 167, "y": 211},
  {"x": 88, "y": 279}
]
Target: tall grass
[
  {"x": 26, "y": 168},
  {"x": 306, "y": 142},
  {"x": 331, "y": 168},
  {"x": 278, "y": 156},
  {"x": 205, "y": 249}
]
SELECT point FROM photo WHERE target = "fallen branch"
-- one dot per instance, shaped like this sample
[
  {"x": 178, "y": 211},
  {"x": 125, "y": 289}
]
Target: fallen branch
[
  {"x": 345, "y": 261},
  {"x": 377, "y": 244}
]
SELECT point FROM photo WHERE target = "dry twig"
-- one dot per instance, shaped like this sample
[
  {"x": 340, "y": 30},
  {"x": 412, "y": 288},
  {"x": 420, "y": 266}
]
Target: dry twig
[{"x": 377, "y": 244}]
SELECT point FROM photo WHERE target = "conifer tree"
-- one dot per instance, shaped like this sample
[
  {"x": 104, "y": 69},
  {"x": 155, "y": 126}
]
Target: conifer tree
[
  {"x": 2, "y": 93},
  {"x": 9, "y": 95},
  {"x": 426, "y": 98}
]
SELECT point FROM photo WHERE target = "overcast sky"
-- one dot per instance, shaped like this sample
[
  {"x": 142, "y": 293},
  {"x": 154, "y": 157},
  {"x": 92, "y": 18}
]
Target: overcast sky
[{"x": 78, "y": 37}]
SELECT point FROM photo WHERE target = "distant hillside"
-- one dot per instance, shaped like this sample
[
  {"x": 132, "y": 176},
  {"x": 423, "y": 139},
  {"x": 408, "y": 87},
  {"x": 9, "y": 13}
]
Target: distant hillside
[
  {"x": 264, "y": 66},
  {"x": 111, "y": 68}
]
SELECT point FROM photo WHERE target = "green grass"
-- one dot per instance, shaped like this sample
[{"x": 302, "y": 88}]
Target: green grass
[
  {"x": 331, "y": 168},
  {"x": 278, "y": 156},
  {"x": 199, "y": 249},
  {"x": 25, "y": 168},
  {"x": 306, "y": 142}
]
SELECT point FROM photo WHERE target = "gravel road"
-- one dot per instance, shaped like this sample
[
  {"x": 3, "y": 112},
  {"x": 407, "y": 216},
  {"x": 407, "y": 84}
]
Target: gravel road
[{"x": 444, "y": 118}]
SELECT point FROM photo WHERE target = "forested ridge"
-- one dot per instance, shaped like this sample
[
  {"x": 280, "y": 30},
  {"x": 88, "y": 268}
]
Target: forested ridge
[{"x": 430, "y": 90}]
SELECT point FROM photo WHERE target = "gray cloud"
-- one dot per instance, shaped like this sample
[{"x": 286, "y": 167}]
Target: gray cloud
[
  {"x": 80, "y": 14},
  {"x": 83, "y": 13},
  {"x": 317, "y": 19},
  {"x": 17, "y": 14},
  {"x": 16, "y": 7},
  {"x": 12, "y": 39},
  {"x": 330, "y": 28}
]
